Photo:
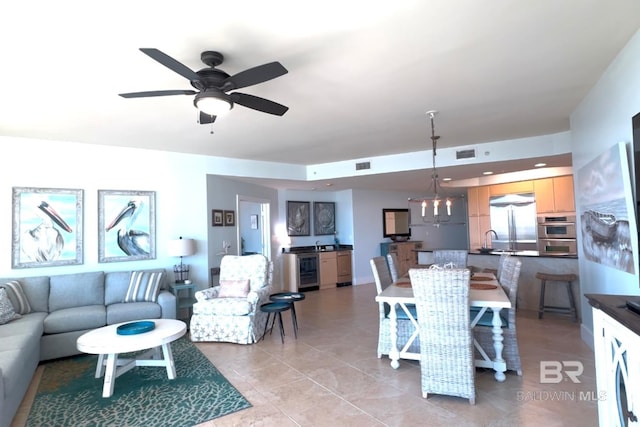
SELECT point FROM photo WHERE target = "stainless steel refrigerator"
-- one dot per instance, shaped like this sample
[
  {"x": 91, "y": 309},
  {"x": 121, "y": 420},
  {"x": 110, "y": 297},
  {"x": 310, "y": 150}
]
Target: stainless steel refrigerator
[{"x": 514, "y": 219}]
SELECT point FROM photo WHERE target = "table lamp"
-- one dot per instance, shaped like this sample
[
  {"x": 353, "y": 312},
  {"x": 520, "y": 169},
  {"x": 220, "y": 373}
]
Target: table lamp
[{"x": 182, "y": 247}]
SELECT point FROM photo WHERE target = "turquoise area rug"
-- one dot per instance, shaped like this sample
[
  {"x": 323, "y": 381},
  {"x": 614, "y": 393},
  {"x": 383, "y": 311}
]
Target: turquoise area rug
[{"x": 69, "y": 395}]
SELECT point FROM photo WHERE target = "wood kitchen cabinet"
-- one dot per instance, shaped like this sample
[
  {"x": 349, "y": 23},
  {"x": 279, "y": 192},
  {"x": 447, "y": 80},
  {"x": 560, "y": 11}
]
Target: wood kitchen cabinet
[
  {"x": 478, "y": 201},
  {"x": 406, "y": 253},
  {"x": 478, "y": 226},
  {"x": 328, "y": 269},
  {"x": 345, "y": 275},
  {"x": 511, "y": 188},
  {"x": 479, "y": 219},
  {"x": 554, "y": 195}
]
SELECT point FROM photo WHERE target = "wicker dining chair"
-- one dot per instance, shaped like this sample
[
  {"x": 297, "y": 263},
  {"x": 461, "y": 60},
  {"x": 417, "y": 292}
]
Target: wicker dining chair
[
  {"x": 446, "y": 339},
  {"x": 498, "y": 271},
  {"x": 405, "y": 327},
  {"x": 392, "y": 260},
  {"x": 458, "y": 257},
  {"x": 483, "y": 331}
]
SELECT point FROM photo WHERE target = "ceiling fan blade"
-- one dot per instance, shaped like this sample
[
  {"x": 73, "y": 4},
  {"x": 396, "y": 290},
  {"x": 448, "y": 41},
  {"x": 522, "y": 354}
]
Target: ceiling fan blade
[
  {"x": 157, "y": 93},
  {"x": 171, "y": 63},
  {"x": 205, "y": 119},
  {"x": 258, "y": 103},
  {"x": 253, "y": 76}
]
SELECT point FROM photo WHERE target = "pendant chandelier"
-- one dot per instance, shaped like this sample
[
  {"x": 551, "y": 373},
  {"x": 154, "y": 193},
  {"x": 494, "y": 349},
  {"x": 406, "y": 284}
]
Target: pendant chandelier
[{"x": 435, "y": 210}]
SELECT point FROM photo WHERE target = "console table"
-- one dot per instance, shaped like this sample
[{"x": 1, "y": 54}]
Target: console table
[{"x": 616, "y": 334}]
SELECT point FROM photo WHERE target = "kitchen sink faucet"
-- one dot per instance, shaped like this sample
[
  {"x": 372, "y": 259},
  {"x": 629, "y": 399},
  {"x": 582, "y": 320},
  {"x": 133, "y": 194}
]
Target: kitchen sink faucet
[{"x": 485, "y": 237}]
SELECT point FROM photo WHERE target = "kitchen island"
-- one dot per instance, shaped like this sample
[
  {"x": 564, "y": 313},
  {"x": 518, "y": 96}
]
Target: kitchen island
[{"x": 529, "y": 286}]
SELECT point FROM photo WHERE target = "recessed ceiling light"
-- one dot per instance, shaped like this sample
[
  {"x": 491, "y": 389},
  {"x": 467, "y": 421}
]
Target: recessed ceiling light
[
  {"x": 446, "y": 179},
  {"x": 328, "y": 184},
  {"x": 487, "y": 173},
  {"x": 540, "y": 165}
]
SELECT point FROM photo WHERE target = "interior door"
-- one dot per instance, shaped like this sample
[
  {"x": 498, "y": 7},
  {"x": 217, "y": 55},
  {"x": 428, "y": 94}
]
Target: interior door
[{"x": 254, "y": 228}]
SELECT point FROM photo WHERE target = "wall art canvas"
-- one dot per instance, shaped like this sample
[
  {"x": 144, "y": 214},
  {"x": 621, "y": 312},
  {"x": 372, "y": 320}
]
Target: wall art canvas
[
  {"x": 126, "y": 225},
  {"x": 606, "y": 210},
  {"x": 47, "y": 227},
  {"x": 298, "y": 218},
  {"x": 324, "y": 218}
]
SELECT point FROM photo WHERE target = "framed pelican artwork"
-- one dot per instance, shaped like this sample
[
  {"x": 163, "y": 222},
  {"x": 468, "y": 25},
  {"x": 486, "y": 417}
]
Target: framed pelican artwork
[
  {"x": 47, "y": 227},
  {"x": 126, "y": 225}
]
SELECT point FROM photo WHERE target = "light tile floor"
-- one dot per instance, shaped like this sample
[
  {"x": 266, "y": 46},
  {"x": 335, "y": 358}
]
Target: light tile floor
[{"x": 331, "y": 376}]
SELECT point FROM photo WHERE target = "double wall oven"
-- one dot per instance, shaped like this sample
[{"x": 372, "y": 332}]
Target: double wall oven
[{"x": 557, "y": 235}]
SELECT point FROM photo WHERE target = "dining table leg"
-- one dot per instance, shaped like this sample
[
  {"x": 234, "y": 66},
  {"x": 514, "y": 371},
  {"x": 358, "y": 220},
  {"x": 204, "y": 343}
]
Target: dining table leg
[
  {"x": 394, "y": 354},
  {"x": 499, "y": 365}
]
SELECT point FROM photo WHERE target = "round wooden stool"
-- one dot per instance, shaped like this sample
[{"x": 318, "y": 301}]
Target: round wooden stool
[{"x": 568, "y": 279}]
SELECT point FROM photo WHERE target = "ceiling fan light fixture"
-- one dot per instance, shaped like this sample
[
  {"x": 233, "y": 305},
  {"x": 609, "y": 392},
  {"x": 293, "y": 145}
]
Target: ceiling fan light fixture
[{"x": 213, "y": 103}]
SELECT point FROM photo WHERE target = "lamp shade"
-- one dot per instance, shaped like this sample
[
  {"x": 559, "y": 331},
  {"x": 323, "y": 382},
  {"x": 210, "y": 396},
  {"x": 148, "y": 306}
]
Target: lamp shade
[{"x": 182, "y": 247}]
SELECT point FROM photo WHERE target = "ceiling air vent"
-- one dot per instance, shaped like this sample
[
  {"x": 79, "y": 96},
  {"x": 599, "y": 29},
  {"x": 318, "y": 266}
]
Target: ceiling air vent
[
  {"x": 363, "y": 165},
  {"x": 466, "y": 154}
]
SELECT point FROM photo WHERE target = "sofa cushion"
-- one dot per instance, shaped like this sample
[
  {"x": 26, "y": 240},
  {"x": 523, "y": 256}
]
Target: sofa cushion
[
  {"x": 75, "y": 319},
  {"x": 128, "y": 311},
  {"x": 17, "y": 296},
  {"x": 116, "y": 284},
  {"x": 27, "y": 324},
  {"x": 76, "y": 290},
  {"x": 233, "y": 288},
  {"x": 37, "y": 291},
  {"x": 144, "y": 286},
  {"x": 224, "y": 306},
  {"x": 7, "y": 312}
]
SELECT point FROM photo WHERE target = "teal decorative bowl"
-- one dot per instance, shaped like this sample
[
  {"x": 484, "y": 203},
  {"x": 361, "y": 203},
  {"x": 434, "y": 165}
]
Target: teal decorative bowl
[{"x": 135, "y": 328}]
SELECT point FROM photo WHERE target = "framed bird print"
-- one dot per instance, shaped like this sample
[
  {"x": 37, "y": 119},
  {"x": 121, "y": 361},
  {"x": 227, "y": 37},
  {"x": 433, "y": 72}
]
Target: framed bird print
[
  {"x": 47, "y": 227},
  {"x": 126, "y": 225}
]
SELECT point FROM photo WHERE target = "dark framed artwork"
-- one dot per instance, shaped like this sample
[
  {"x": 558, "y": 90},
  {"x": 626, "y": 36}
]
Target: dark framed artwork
[
  {"x": 217, "y": 218},
  {"x": 230, "y": 218},
  {"x": 47, "y": 227},
  {"x": 126, "y": 225},
  {"x": 298, "y": 218},
  {"x": 254, "y": 222},
  {"x": 324, "y": 218}
]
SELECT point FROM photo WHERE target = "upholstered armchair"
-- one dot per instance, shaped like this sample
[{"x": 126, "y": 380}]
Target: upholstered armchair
[{"x": 230, "y": 312}]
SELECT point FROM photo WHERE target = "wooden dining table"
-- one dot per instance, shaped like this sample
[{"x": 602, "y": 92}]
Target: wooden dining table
[{"x": 485, "y": 294}]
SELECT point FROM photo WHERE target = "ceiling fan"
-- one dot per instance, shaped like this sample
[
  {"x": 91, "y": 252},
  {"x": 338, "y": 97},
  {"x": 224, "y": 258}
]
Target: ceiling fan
[{"x": 212, "y": 84}]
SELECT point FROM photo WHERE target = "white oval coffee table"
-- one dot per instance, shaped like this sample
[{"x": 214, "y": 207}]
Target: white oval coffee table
[{"x": 105, "y": 341}]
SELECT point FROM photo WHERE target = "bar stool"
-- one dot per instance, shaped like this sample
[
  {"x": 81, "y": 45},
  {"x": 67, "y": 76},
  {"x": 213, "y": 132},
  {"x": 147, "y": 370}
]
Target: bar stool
[
  {"x": 290, "y": 297},
  {"x": 276, "y": 308},
  {"x": 568, "y": 279}
]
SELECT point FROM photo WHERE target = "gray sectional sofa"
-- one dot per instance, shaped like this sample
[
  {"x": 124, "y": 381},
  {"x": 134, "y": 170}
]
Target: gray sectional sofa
[{"x": 63, "y": 307}]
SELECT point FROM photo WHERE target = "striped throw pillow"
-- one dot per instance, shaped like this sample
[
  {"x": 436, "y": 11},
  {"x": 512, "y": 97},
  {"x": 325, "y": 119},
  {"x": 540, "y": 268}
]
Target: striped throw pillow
[
  {"x": 17, "y": 297},
  {"x": 144, "y": 286}
]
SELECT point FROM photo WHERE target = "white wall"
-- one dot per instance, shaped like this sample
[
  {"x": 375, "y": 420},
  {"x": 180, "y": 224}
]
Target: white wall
[
  {"x": 179, "y": 180},
  {"x": 600, "y": 121}
]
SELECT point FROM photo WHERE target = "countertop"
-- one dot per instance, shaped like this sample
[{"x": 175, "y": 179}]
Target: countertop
[
  {"x": 321, "y": 248},
  {"x": 515, "y": 253},
  {"x": 615, "y": 306}
]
